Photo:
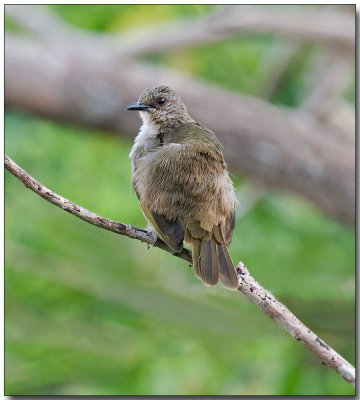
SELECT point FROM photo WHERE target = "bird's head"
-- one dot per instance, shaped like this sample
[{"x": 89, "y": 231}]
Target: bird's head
[{"x": 160, "y": 105}]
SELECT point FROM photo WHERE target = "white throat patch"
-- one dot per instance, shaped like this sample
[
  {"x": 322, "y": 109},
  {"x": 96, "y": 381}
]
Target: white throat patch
[
  {"x": 148, "y": 128},
  {"x": 148, "y": 132}
]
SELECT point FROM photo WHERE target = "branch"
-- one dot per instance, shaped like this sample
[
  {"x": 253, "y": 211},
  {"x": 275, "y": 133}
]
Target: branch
[
  {"x": 281, "y": 58},
  {"x": 334, "y": 29},
  {"x": 343, "y": 119},
  {"x": 329, "y": 27},
  {"x": 86, "y": 215},
  {"x": 39, "y": 20},
  {"x": 46, "y": 25},
  {"x": 287, "y": 320},
  {"x": 247, "y": 284},
  {"x": 329, "y": 78}
]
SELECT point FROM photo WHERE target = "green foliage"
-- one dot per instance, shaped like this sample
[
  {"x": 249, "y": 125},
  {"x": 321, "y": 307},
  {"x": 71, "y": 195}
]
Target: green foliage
[
  {"x": 243, "y": 65},
  {"x": 119, "y": 17},
  {"x": 351, "y": 92},
  {"x": 12, "y": 26},
  {"x": 239, "y": 64},
  {"x": 89, "y": 312}
]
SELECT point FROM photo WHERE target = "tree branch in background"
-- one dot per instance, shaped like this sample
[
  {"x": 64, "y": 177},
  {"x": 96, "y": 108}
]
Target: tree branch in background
[
  {"x": 247, "y": 284},
  {"x": 328, "y": 28},
  {"x": 329, "y": 79},
  {"x": 332, "y": 29},
  {"x": 286, "y": 149},
  {"x": 281, "y": 58},
  {"x": 42, "y": 23},
  {"x": 88, "y": 78}
]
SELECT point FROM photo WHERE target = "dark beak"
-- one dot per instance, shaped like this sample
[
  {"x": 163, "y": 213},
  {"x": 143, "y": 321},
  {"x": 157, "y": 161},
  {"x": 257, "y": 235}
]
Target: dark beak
[{"x": 137, "y": 106}]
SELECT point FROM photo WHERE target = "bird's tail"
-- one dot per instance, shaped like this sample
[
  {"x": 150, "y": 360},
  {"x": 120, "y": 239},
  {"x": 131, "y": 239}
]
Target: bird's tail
[
  {"x": 211, "y": 261},
  {"x": 228, "y": 275}
]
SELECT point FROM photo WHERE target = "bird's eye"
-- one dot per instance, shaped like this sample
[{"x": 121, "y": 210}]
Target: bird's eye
[{"x": 160, "y": 100}]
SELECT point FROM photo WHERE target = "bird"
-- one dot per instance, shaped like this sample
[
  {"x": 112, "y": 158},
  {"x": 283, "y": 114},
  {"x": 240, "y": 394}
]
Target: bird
[{"x": 181, "y": 180}]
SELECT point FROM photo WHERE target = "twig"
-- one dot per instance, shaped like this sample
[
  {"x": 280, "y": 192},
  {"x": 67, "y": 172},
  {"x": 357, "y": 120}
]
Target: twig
[
  {"x": 285, "y": 318},
  {"x": 247, "y": 284}
]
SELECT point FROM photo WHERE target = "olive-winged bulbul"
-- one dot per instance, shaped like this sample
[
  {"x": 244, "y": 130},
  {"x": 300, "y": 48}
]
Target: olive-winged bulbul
[{"x": 181, "y": 180}]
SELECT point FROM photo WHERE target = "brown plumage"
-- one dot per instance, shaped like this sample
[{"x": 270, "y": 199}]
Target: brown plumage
[{"x": 180, "y": 178}]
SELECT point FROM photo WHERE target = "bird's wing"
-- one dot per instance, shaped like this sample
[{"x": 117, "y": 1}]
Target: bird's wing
[
  {"x": 171, "y": 232},
  {"x": 229, "y": 227},
  {"x": 163, "y": 182}
]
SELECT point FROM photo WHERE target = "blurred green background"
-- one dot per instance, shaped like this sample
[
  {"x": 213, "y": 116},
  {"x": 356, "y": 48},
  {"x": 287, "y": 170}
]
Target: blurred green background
[{"x": 89, "y": 312}]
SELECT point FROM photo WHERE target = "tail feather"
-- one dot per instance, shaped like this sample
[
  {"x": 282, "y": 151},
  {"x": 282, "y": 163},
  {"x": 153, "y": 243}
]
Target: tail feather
[
  {"x": 196, "y": 246},
  {"x": 205, "y": 261},
  {"x": 212, "y": 261},
  {"x": 228, "y": 275}
]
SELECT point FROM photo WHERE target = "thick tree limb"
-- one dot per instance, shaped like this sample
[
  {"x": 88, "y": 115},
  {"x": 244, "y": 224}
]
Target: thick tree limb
[
  {"x": 329, "y": 27},
  {"x": 287, "y": 149},
  {"x": 247, "y": 284}
]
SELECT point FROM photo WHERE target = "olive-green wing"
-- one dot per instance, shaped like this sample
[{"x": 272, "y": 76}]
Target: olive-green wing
[
  {"x": 171, "y": 232},
  {"x": 229, "y": 227}
]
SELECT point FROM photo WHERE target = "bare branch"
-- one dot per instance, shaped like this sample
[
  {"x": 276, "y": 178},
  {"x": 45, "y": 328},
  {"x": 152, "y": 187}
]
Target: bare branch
[
  {"x": 285, "y": 318},
  {"x": 247, "y": 284},
  {"x": 86, "y": 215}
]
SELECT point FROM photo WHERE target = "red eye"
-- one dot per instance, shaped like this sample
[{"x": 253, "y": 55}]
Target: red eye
[{"x": 160, "y": 100}]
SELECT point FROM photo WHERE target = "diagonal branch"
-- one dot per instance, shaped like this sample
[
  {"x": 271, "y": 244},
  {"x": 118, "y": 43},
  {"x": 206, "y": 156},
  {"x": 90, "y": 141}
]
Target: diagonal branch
[
  {"x": 287, "y": 320},
  {"x": 86, "y": 215},
  {"x": 247, "y": 284}
]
